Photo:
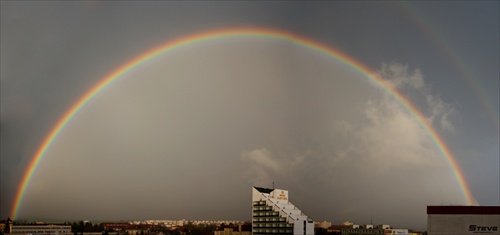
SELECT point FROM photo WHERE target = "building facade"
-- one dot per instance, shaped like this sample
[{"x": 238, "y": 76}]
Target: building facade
[
  {"x": 463, "y": 220},
  {"x": 323, "y": 224},
  {"x": 230, "y": 231},
  {"x": 41, "y": 229},
  {"x": 272, "y": 213},
  {"x": 368, "y": 229},
  {"x": 6, "y": 226}
]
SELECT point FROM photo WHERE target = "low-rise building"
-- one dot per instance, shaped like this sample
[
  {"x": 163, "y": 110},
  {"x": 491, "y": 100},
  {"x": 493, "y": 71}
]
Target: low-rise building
[
  {"x": 230, "y": 231},
  {"x": 116, "y": 226},
  {"x": 41, "y": 229},
  {"x": 369, "y": 229},
  {"x": 323, "y": 224},
  {"x": 6, "y": 225}
]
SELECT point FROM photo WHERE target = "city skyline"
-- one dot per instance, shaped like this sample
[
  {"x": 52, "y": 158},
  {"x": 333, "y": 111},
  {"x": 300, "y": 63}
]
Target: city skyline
[{"x": 363, "y": 110}]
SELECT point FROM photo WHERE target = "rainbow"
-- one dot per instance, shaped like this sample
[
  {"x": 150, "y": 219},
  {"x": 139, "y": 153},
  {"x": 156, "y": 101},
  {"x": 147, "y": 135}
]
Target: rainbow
[
  {"x": 238, "y": 33},
  {"x": 469, "y": 75}
]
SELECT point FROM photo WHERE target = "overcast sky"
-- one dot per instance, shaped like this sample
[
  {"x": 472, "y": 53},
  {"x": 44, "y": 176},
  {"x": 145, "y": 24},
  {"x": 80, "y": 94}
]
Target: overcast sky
[{"x": 187, "y": 134}]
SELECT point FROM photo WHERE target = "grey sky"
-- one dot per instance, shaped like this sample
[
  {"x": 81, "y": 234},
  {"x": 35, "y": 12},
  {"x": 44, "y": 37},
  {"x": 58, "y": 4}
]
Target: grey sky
[{"x": 187, "y": 134}]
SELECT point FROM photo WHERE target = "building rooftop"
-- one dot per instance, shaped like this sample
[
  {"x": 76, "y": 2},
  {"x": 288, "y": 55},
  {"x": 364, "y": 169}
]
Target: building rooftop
[
  {"x": 264, "y": 190},
  {"x": 464, "y": 210}
]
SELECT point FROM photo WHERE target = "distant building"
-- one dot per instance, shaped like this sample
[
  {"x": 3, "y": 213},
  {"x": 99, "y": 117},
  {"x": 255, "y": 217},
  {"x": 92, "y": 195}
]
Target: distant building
[
  {"x": 324, "y": 224},
  {"x": 134, "y": 229},
  {"x": 335, "y": 229},
  {"x": 369, "y": 229},
  {"x": 6, "y": 225},
  {"x": 116, "y": 226},
  {"x": 41, "y": 229},
  {"x": 230, "y": 231},
  {"x": 272, "y": 213},
  {"x": 458, "y": 220}
]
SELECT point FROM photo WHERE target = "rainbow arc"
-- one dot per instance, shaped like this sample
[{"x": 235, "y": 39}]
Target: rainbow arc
[{"x": 239, "y": 33}]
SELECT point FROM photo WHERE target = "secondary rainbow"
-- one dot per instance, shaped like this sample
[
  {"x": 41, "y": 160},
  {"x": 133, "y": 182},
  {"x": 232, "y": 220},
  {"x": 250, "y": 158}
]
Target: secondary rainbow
[
  {"x": 238, "y": 33},
  {"x": 443, "y": 43}
]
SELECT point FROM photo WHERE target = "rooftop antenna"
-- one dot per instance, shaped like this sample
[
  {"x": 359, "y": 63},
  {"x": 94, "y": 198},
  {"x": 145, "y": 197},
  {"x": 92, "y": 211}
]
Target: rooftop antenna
[{"x": 273, "y": 184}]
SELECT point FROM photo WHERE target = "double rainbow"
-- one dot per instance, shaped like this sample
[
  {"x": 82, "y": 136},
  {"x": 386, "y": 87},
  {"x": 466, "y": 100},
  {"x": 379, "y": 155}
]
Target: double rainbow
[{"x": 239, "y": 33}]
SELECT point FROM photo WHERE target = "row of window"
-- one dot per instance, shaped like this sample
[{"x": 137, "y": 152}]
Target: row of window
[
  {"x": 42, "y": 231},
  {"x": 272, "y": 230},
  {"x": 283, "y": 225},
  {"x": 262, "y": 208},
  {"x": 259, "y": 203},
  {"x": 42, "y": 227},
  {"x": 273, "y": 219},
  {"x": 269, "y": 213},
  {"x": 362, "y": 231}
]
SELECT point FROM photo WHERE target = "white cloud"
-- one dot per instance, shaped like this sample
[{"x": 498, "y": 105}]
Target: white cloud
[
  {"x": 263, "y": 165},
  {"x": 392, "y": 136},
  {"x": 384, "y": 154},
  {"x": 399, "y": 76},
  {"x": 413, "y": 86},
  {"x": 440, "y": 113}
]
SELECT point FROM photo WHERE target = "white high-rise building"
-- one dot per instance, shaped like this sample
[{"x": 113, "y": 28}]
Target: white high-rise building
[{"x": 272, "y": 213}]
